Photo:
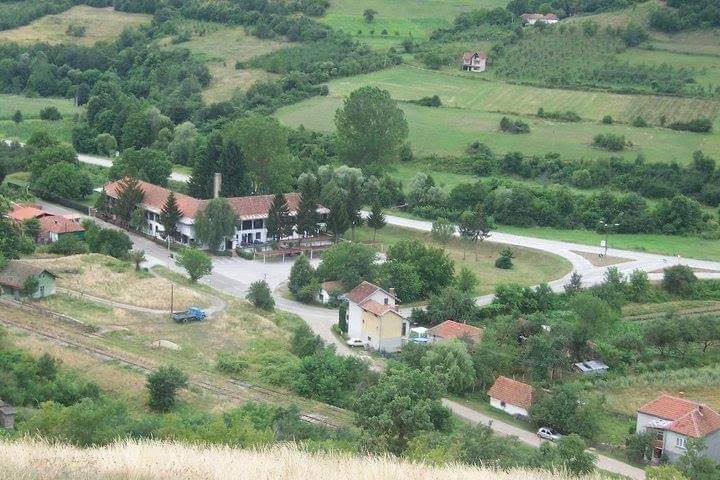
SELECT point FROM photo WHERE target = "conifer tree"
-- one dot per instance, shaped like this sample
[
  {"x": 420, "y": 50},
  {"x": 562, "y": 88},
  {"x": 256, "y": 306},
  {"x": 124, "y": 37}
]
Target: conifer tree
[
  {"x": 338, "y": 222},
  {"x": 129, "y": 196},
  {"x": 278, "y": 222},
  {"x": 170, "y": 215},
  {"x": 376, "y": 220},
  {"x": 307, "y": 216},
  {"x": 353, "y": 203},
  {"x": 235, "y": 180}
]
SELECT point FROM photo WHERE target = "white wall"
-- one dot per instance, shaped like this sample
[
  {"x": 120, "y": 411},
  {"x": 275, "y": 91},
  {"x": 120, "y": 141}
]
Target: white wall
[
  {"x": 354, "y": 320},
  {"x": 511, "y": 409}
]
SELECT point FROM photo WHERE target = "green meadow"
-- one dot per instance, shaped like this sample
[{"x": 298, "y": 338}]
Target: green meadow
[
  {"x": 30, "y": 107},
  {"x": 472, "y": 110}
]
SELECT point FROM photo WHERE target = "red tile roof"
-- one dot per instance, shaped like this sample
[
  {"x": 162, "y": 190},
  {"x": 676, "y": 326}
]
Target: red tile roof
[
  {"x": 25, "y": 212},
  {"x": 551, "y": 16},
  {"x": 333, "y": 286},
  {"x": 451, "y": 329},
  {"x": 58, "y": 224},
  {"x": 155, "y": 197},
  {"x": 688, "y": 418},
  {"x": 467, "y": 56},
  {"x": 256, "y": 206},
  {"x": 363, "y": 291},
  {"x": 376, "y": 308},
  {"x": 513, "y": 392}
]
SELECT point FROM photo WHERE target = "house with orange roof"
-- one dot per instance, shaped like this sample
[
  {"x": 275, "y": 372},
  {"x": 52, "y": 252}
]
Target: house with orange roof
[
  {"x": 473, "y": 61},
  {"x": 251, "y": 211},
  {"x": 450, "y": 329},
  {"x": 374, "y": 318},
  {"x": 511, "y": 396},
  {"x": 52, "y": 227},
  {"x": 674, "y": 421}
]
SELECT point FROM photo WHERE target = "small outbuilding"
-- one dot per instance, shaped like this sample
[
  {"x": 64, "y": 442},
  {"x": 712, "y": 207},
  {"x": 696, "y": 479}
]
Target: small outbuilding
[
  {"x": 473, "y": 62},
  {"x": 15, "y": 274},
  {"x": 7, "y": 416},
  {"x": 511, "y": 396},
  {"x": 328, "y": 289},
  {"x": 591, "y": 366},
  {"x": 450, "y": 329}
]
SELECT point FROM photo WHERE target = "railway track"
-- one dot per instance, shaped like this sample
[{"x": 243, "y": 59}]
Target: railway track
[{"x": 242, "y": 391}]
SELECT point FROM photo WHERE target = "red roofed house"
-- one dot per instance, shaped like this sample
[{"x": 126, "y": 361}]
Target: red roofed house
[
  {"x": 512, "y": 396},
  {"x": 251, "y": 211},
  {"x": 52, "y": 227},
  {"x": 674, "y": 421},
  {"x": 374, "y": 318},
  {"x": 473, "y": 62},
  {"x": 450, "y": 329}
]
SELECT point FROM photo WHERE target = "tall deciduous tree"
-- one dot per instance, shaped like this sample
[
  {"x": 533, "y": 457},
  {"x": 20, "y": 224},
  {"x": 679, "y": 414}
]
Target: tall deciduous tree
[
  {"x": 146, "y": 164},
  {"x": 129, "y": 196},
  {"x": 353, "y": 202},
  {"x": 376, "y": 220},
  {"x": 475, "y": 226},
  {"x": 215, "y": 222},
  {"x": 371, "y": 128},
  {"x": 303, "y": 282},
  {"x": 279, "y": 224},
  {"x": 196, "y": 263},
  {"x": 337, "y": 222},
  {"x": 170, "y": 215},
  {"x": 163, "y": 385},
  {"x": 206, "y": 163}
]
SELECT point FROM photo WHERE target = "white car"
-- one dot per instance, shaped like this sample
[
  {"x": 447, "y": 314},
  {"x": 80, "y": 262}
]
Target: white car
[
  {"x": 548, "y": 433},
  {"x": 355, "y": 342}
]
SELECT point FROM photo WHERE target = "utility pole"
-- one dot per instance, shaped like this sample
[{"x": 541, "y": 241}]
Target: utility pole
[
  {"x": 172, "y": 297},
  {"x": 606, "y": 226}
]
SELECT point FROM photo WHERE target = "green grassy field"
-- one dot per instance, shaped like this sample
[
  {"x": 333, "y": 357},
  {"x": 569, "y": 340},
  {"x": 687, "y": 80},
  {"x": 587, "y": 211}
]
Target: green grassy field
[
  {"x": 707, "y": 67},
  {"x": 410, "y": 18},
  {"x": 448, "y": 131},
  {"x": 530, "y": 266},
  {"x": 30, "y": 107},
  {"x": 705, "y": 42},
  {"x": 60, "y": 130},
  {"x": 222, "y": 47},
  {"x": 101, "y": 24}
]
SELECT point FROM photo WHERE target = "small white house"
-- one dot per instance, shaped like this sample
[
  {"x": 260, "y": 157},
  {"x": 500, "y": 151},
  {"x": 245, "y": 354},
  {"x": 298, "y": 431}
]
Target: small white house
[
  {"x": 511, "y": 396},
  {"x": 473, "y": 62},
  {"x": 673, "y": 421},
  {"x": 533, "y": 18},
  {"x": 327, "y": 289}
]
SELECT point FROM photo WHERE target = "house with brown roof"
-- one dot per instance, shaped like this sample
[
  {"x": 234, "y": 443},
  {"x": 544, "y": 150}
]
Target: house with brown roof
[
  {"x": 473, "y": 62},
  {"x": 511, "y": 396},
  {"x": 674, "y": 421},
  {"x": 328, "y": 289},
  {"x": 14, "y": 275},
  {"x": 374, "y": 318},
  {"x": 450, "y": 329},
  {"x": 52, "y": 227},
  {"x": 252, "y": 212},
  {"x": 533, "y": 18}
]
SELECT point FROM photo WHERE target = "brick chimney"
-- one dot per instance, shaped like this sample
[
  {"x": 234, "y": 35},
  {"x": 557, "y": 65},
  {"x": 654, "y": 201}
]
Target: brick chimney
[{"x": 217, "y": 182}]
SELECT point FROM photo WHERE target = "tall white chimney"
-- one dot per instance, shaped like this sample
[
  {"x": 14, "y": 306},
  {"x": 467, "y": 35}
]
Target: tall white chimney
[{"x": 217, "y": 181}]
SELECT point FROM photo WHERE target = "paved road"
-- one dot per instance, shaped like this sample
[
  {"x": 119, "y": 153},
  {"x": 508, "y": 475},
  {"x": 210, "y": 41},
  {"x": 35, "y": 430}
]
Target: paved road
[{"x": 498, "y": 426}]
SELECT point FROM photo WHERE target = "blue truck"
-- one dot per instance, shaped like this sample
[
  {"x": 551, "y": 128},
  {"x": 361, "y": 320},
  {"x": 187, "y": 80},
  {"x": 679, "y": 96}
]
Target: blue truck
[{"x": 192, "y": 314}]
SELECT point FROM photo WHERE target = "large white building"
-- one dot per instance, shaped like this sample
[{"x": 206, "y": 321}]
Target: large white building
[
  {"x": 673, "y": 421},
  {"x": 251, "y": 212}
]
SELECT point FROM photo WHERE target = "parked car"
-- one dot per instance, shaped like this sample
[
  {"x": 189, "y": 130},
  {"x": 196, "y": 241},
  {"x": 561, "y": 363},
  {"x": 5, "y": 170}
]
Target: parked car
[
  {"x": 355, "y": 342},
  {"x": 548, "y": 433}
]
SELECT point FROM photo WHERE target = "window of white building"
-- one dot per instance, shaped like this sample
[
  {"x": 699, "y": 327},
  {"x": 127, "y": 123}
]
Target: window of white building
[{"x": 681, "y": 442}]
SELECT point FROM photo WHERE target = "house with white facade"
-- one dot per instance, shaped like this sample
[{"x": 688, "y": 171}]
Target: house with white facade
[
  {"x": 674, "y": 421},
  {"x": 373, "y": 317},
  {"x": 251, "y": 211},
  {"x": 533, "y": 18},
  {"x": 473, "y": 62},
  {"x": 511, "y": 396}
]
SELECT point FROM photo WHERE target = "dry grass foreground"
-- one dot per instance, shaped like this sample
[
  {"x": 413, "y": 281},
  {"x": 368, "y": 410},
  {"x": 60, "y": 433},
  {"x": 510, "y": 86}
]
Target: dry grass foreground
[
  {"x": 101, "y": 24},
  {"x": 34, "y": 460},
  {"x": 112, "y": 279}
]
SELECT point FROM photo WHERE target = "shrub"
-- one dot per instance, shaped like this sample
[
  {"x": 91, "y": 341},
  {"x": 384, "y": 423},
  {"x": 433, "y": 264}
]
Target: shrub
[
  {"x": 699, "y": 125},
  {"x": 639, "y": 122},
  {"x": 50, "y": 113},
  {"x": 17, "y": 116},
  {"x": 228, "y": 362},
  {"x": 610, "y": 141},
  {"x": 260, "y": 296},
  {"x": 163, "y": 385},
  {"x": 303, "y": 283},
  {"x": 196, "y": 263},
  {"x": 513, "y": 126},
  {"x": 679, "y": 280},
  {"x": 76, "y": 30},
  {"x": 68, "y": 245},
  {"x": 304, "y": 342},
  {"x": 581, "y": 178},
  {"x": 433, "y": 101},
  {"x": 505, "y": 260},
  {"x": 607, "y": 120},
  {"x": 566, "y": 116}
]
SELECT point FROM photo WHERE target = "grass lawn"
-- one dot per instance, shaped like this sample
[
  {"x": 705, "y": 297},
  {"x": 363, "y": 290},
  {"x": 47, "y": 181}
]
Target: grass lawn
[
  {"x": 707, "y": 67},
  {"x": 30, "y": 107},
  {"x": 222, "y": 47},
  {"x": 705, "y": 42},
  {"x": 101, "y": 24},
  {"x": 530, "y": 266},
  {"x": 410, "y": 18},
  {"x": 60, "y": 130},
  {"x": 472, "y": 109}
]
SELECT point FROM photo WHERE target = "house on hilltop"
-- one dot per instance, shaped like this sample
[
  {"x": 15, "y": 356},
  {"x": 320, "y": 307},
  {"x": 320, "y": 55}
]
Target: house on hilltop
[
  {"x": 374, "y": 318},
  {"x": 511, "y": 396},
  {"x": 673, "y": 421},
  {"x": 473, "y": 62},
  {"x": 533, "y": 18},
  {"x": 14, "y": 275},
  {"x": 251, "y": 211}
]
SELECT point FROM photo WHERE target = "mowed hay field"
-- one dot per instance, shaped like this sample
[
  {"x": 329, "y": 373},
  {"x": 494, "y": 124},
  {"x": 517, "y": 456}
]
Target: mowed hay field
[
  {"x": 409, "y": 18},
  {"x": 448, "y": 131},
  {"x": 706, "y": 67},
  {"x": 30, "y": 107},
  {"x": 222, "y": 47},
  {"x": 60, "y": 130},
  {"x": 101, "y": 24}
]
